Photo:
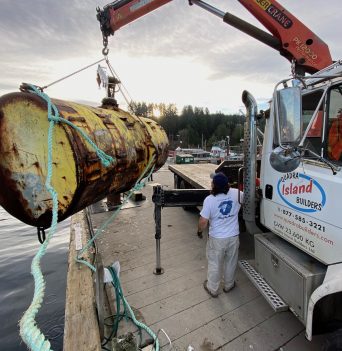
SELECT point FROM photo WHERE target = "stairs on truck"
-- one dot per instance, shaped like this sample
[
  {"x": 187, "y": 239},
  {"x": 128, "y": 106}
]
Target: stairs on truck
[{"x": 270, "y": 295}]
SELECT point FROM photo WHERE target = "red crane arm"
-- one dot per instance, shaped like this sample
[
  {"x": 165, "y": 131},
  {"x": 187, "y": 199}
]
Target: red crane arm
[
  {"x": 122, "y": 12},
  {"x": 289, "y": 35},
  {"x": 297, "y": 40}
]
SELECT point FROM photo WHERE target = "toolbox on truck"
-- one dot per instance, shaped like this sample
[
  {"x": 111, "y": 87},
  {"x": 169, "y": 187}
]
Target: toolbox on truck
[{"x": 293, "y": 274}]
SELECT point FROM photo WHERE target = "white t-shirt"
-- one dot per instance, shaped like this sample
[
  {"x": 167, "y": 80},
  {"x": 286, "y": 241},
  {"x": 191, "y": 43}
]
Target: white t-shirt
[{"x": 222, "y": 211}]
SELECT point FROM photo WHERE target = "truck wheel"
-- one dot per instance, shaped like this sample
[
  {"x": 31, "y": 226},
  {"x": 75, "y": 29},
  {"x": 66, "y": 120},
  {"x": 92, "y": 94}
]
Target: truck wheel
[
  {"x": 182, "y": 185},
  {"x": 333, "y": 341},
  {"x": 175, "y": 182}
]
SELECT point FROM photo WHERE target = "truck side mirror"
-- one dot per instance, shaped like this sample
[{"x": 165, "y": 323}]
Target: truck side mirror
[
  {"x": 288, "y": 129},
  {"x": 288, "y": 116}
]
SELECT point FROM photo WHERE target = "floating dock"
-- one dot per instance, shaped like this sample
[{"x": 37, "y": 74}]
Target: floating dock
[{"x": 175, "y": 301}]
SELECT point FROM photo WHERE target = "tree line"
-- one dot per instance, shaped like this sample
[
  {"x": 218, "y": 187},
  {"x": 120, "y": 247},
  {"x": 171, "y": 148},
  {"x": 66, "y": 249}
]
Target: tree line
[{"x": 194, "y": 126}]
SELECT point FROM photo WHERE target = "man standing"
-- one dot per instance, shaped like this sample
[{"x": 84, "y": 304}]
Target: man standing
[{"x": 221, "y": 210}]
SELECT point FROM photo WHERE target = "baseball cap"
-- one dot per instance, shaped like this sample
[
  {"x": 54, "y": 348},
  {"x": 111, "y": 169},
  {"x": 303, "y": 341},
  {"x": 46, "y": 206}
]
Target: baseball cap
[{"x": 219, "y": 179}]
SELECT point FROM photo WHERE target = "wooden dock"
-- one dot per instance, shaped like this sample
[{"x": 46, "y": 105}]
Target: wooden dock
[
  {"x": 175, "y": 301},
  {"x": 81, "y": 331}
]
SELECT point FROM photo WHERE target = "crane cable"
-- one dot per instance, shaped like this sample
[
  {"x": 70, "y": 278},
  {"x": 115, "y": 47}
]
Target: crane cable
[
  {"x": 71, "y": 74},
  {"x": 114, "y": 74}
]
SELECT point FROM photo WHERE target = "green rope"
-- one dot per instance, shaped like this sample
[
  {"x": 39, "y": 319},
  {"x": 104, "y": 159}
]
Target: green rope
[
  {"x": 138, "y": 186},
  {"x": 120, "y": 296},
  {"x": 106, "y": 160},
  {"x": 29, "y": 331}
]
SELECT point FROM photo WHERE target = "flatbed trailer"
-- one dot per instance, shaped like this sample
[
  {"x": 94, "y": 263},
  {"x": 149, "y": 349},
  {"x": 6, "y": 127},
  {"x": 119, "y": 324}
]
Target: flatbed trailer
[{"x": 195, "y": 175}]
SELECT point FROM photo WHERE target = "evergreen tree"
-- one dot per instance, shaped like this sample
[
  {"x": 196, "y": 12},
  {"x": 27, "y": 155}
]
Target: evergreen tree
[{"x": 193, "y": 124}]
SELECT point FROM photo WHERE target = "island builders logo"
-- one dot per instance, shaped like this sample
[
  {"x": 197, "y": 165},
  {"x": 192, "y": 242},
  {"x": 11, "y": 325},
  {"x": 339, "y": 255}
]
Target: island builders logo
[{"x": 301, "y": 192}]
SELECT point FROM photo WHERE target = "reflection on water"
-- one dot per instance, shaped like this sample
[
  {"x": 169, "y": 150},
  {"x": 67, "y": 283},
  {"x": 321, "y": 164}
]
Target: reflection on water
[{"x": 18, "y": 245}]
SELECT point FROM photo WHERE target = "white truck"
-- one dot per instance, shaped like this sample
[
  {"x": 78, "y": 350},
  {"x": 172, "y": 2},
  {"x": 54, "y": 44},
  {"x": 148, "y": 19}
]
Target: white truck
[{"x": 298, "y": 244}]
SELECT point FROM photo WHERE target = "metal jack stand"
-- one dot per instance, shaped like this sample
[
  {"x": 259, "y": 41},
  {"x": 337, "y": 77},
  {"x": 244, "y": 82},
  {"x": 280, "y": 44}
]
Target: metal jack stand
[
  {"x": 172, "y": 198},
  {"x": 157, "y": 194}
]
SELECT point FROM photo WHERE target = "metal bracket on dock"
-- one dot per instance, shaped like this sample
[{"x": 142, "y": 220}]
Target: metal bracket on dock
[{"x": 172, "y": 198}]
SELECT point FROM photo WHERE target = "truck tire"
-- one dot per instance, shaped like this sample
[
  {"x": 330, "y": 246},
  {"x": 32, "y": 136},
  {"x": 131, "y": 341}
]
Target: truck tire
[
  {"x": 176, "y": 181},
  {"x": 183, "y": 185},
  {"x": 333, "y": 341}
]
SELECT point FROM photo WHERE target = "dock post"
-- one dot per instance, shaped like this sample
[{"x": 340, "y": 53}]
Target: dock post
[{"x": 157, "y": 220}]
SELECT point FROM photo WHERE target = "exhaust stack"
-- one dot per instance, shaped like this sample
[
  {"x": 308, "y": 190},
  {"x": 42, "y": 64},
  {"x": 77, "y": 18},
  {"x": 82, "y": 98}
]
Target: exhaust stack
[{"x": 249, "y": 174}]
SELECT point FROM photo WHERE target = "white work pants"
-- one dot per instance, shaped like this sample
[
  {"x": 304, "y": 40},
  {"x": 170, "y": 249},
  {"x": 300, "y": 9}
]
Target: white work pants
[{"x": 222, "y": 256}]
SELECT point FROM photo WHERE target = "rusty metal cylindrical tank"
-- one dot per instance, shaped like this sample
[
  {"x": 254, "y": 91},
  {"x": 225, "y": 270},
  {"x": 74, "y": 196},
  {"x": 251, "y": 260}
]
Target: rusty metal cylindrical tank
[{"x": 78, "y": 175}]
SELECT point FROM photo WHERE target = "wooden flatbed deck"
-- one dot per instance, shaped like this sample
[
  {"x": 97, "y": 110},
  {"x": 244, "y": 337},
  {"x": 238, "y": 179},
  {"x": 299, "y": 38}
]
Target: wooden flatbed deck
[
  {"x": 176, "y": 301},
  {"x": 197, "y": 174}
]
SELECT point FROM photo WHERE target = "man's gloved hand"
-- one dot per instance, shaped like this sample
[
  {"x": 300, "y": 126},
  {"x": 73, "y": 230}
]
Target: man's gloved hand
[{"x": 199, "y": 234}]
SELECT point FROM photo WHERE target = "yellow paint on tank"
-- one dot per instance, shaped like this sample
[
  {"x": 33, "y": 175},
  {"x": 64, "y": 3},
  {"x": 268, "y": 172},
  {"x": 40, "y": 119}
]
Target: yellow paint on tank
[{"x": 78, "y": 175}]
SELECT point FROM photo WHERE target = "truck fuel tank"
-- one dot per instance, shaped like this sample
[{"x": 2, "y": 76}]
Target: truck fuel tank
[{"x": 78, "y": 176}]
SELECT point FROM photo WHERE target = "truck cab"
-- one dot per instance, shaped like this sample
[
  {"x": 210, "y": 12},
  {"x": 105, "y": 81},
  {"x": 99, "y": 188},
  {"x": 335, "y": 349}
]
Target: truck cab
[{"x": 298, "y": 245}]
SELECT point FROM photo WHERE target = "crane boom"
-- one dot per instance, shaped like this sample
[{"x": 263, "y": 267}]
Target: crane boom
[
  {"x": 290, "y": 37},
  {"x": 121, "y": 12},
  {"x": 298, "y": 41}
]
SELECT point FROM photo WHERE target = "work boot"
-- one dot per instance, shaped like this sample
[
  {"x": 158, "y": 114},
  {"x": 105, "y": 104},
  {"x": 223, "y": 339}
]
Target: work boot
[
  {"x": 212, "y": 294},
  {"x": 226, "y": 290}
]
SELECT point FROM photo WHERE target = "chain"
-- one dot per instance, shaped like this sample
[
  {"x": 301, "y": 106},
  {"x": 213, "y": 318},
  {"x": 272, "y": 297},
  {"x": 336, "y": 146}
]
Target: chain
[
  {"x": 105, "y": 49},
  {"x": 293, "y": 68}
]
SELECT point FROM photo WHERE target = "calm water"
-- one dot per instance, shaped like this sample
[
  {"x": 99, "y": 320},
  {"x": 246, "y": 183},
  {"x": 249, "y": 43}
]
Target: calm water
[{"x": 18, "y": 245}]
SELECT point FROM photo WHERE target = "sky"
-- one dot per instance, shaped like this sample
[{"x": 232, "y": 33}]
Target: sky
[{"x": 177, "y": 54}]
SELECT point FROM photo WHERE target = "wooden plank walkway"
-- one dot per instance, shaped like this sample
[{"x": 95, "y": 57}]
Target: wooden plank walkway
[
  {"x": 81, "y": 331},
  {"x": 176, "y": 301}
]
